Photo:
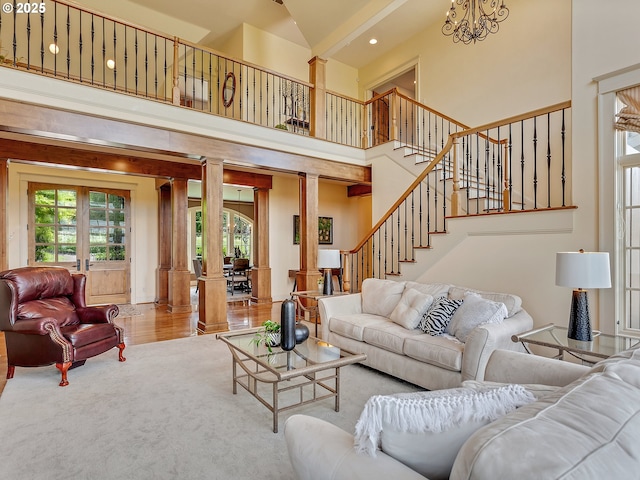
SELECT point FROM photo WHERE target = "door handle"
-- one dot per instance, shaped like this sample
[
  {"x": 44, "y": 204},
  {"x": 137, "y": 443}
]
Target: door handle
[
  {"x": 78, "y": 264},
  {"x": 86, "y": 264}
]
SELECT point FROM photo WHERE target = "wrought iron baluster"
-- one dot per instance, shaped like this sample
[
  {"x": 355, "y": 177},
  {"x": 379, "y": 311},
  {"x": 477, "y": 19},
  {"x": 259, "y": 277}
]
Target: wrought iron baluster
[
  {"x": 80, "y": 47},
  {"x": 535, "y": 163},
  {"x": 68, "y": 43},
  {"x": 563, "y": 175},
  {"x": 510, "y": 168},
  {"x": 548, "y": 160},
  {"x": 93, "y": 40},
  {"x": 522, "y": 162},
  {"x": 41, "y": 42},
  {"x": 28, "y": 42}
]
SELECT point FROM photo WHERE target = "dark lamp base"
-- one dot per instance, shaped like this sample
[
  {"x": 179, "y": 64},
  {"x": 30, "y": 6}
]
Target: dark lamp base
[
  {"x": 327, "y": 287},
  {"x": 579, "y": 323}
]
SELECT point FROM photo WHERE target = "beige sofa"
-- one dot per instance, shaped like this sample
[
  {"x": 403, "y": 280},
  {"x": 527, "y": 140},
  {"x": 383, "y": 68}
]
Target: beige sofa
[
  {"x": 361, "y": 323},
  {"x": 587, "y": 429}
]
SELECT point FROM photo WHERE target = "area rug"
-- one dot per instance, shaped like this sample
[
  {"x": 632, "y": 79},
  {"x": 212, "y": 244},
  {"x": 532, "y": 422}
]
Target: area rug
[{"x": 168, "y": 412}]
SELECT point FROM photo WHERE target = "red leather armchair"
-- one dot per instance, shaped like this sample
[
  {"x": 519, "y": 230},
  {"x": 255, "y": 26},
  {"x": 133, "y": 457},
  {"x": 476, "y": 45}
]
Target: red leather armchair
[{"x": 45, "y": 320}]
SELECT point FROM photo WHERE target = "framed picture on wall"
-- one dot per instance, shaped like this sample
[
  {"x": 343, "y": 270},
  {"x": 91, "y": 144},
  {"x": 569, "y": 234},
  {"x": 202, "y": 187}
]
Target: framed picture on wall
[{"x": 325, "y": 230}]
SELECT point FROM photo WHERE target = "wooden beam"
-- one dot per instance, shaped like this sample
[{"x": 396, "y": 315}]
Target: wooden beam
[
  {"x": 37, "y": 152},
  {"x": 247, "y": 179},
  {"x": 358, "y": 190},
  {"x": 37, "y": 121}
]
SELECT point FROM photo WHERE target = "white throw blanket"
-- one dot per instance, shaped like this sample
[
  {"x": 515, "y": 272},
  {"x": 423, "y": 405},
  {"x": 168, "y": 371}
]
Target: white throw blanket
[{"x": 434, "y": 411}]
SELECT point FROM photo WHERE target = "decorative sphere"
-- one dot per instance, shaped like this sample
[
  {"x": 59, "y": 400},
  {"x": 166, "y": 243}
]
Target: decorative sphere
[{"x": 302, "y": 332}]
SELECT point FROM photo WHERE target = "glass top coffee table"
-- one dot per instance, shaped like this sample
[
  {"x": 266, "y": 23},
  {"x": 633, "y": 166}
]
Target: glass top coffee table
[
  {"x": 281, "y": 380},
  {"x": 553, "y": 336}
]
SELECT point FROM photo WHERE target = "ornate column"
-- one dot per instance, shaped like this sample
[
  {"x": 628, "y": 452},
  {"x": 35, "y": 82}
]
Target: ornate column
[
  {"x": 307, "y": 277},
  {"x": 261, "y": 272},
  {"x": 164, "y": 244},
  {"x": 212, "y": 286},
  {"x": 179, "y": 275}
]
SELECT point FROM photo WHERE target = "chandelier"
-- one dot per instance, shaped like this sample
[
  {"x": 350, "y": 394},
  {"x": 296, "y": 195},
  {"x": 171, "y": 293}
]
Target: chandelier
[{"x": 476, "y": 23}]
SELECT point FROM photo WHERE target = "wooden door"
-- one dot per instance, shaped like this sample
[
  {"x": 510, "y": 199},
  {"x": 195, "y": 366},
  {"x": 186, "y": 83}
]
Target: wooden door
[
  {"x": 85, "y": 230},
  {"x": 380, "y": 120}
]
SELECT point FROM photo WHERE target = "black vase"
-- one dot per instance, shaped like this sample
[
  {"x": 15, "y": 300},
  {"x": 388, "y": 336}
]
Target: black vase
[
  {"x": 302, "y": 332},
  {"x": 288, "y": 325}
]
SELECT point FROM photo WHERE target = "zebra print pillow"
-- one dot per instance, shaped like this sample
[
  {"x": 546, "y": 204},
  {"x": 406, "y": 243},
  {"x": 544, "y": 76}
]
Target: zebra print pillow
[{"x": 438, "y": 316}]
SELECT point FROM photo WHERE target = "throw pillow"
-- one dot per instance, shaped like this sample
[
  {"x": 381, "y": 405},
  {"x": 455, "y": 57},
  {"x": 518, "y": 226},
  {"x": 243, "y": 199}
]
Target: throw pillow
[
  {"x": 410, "y": 309},
  {"x": 512, "y": 302},
  {"x": 437, "y": 317},
  {"x": 380, "y": 297},
  {"x": 475, "y": 311},
  {"x": 425, "y": 430}
]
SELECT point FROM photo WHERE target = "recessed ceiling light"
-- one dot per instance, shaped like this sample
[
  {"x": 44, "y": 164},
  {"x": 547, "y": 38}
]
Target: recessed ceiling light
[
  {"x": 53, "y": 48},
  {"x": 373, "y": 41}
]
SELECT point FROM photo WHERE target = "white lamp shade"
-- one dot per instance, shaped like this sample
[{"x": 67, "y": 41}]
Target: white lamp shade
[
  {"x": 583, "y": 270},
  {"x": 328, "y": 258}
]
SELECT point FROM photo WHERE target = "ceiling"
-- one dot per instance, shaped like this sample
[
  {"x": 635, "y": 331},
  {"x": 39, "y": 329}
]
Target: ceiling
[{"x": 332, "y": 29}]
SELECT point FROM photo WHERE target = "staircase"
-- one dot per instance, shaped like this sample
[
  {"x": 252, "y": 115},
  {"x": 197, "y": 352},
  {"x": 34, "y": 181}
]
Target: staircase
[{"x": 504, "y": 167}]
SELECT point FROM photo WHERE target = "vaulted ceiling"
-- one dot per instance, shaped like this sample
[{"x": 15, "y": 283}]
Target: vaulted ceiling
[{"x": 338, "y": 29}]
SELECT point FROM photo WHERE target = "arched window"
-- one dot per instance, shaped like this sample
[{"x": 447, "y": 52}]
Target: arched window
[{"x": 237, "y": 231}]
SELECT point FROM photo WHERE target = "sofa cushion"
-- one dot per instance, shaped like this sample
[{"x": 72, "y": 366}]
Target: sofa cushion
[
  {"x": 380, "y": 297},
  {"x": 412, "y": 305},
  {"x": 438, "y": 315},
  {"x": 586, "y": 430},
  {"x": 473, "y": 312},
  {"x": 512, "y": 302},
  {"x": 441, "y": 351},
  {"x": 425, "y": 430},
  {"x": 353, "y": 325},
  {"x": 433, "y": 289},
  {"x": 388, "y": 336}
]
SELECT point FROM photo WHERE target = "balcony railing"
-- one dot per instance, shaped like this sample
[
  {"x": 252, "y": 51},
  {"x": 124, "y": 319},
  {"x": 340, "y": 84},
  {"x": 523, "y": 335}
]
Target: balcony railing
[{"x": 65, "y": 41}]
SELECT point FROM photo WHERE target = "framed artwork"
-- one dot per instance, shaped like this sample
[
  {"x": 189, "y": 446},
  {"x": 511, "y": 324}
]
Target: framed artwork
[{"x": 325, "y": 230}]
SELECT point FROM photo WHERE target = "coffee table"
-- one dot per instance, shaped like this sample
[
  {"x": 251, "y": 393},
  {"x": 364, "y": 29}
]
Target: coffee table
[
  {"x": 308, "y": 373},
  {"x": 553, "y": 336}
]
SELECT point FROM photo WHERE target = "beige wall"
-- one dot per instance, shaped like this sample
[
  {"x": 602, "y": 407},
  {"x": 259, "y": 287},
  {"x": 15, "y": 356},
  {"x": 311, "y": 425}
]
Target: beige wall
[
  {"x": 284, "y": 204},
  {"x": 144, "y": 218},
  {"x": 604, "y": 40},
  {"x": 526, "y": 65}
]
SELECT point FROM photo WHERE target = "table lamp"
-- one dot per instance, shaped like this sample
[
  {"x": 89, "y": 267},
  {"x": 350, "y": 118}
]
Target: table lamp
[
  {"x": 327, "y": 260},
  {"x": 580, "y": 271}
]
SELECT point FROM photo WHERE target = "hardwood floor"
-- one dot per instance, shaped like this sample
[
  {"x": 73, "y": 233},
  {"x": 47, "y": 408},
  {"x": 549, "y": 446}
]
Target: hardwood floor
[{"x": 145, "y": 323}]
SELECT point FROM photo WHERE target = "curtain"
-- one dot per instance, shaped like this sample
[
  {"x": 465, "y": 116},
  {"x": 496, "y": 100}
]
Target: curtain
[{"x": 629, "y": 116}]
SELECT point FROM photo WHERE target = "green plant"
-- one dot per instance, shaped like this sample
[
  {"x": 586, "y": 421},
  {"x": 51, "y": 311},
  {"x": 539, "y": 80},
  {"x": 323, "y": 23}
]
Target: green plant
[
  {"x": 266, "y": 334},
  {"x": 281, "y": 126}
]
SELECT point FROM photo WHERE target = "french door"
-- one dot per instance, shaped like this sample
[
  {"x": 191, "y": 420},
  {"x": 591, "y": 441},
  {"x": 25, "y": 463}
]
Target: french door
[{"x": 85, "y": 230}]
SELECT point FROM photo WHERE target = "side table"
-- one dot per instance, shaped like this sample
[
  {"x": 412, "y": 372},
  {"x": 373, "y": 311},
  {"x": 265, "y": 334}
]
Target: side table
[
  {"x": 312, "y": 308},
  {"x": 553, "y": 336}
]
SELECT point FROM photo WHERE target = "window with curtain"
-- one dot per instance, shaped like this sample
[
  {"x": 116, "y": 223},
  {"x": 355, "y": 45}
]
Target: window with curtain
[{"x": 628, "y": 157}]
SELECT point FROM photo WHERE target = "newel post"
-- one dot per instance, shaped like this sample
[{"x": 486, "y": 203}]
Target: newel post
[
  {"x": 455, "y": 195},
  {"x": 506, "y": 197},
  {"x": 318, "y": 97}
]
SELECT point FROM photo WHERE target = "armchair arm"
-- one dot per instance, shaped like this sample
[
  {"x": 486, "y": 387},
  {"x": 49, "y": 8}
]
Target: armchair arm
[
  {"x": 339, "y": 305},
  {"x": 319, "y": 450},
  {"x": 489, "y": 337},
  {"x": 514, "y": 367},
  {"x": 99, "y": 314},
  {"x": 35, "y": 326}
]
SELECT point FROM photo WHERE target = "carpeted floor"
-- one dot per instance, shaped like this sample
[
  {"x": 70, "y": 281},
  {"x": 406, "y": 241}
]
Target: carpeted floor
[{"x": 168, "y": 412}]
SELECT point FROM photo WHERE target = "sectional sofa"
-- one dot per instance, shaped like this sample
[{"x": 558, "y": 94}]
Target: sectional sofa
[
  {"x": 585, "y": 426},
  {"x": 388, "y": 319}
]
